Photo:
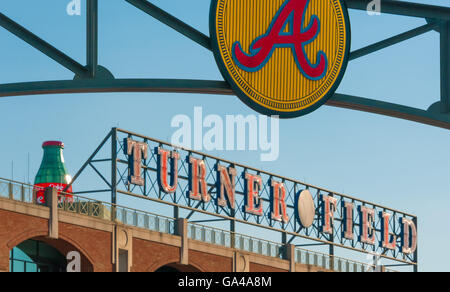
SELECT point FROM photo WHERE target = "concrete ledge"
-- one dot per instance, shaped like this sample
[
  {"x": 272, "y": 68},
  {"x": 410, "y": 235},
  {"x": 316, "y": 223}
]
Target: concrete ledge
[
  {"x": 85, "y": 221},
  {"x": 155, "y": 236},
  {"x": 211, "y": 248},
  {"x": 24, "y": 208}
]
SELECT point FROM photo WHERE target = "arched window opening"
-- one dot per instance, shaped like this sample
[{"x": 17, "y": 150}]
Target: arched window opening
[
  {"x": 177, "y": 268},
  {"x": 36, "y": 256},
  {"x": 167, "y": 269}
]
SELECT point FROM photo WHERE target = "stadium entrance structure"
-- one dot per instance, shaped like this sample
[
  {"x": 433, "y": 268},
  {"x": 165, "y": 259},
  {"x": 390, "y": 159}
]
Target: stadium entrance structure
[{"x": 94, "y": 78}]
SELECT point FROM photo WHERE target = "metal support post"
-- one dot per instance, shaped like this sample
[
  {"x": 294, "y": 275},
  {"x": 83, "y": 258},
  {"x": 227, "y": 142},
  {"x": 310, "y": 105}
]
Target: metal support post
[
  {"x": 92, "y": 37},
  {"x": 445, "y": 67},
  {"x": 113, "y": 172}
]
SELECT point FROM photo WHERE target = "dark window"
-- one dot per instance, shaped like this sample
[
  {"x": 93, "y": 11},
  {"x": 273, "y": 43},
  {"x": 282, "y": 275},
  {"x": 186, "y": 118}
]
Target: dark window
[
  {"x": 123, "y": 261},
  {"x": 167, "y": 269},
  {"x": 36, "y": 256}
]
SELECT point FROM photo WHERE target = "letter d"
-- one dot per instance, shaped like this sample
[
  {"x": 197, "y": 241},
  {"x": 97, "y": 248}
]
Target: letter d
[
  {"x": 374, "y": 8},
  {"x": 74, "y": 8}
]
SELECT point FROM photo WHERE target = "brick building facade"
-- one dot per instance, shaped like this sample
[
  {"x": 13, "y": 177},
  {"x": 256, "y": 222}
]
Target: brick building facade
[{"x": 101, "y": 244}]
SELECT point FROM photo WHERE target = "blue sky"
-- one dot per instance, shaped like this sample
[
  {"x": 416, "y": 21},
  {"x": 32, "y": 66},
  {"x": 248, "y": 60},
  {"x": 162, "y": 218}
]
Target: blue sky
[{"x": 400, "y": 164}]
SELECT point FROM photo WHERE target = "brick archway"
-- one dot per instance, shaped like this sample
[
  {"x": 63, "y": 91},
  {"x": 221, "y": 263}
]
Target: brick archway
[
  {"x": 64, "y": 245},
  {"x": 180, "y": 268}
]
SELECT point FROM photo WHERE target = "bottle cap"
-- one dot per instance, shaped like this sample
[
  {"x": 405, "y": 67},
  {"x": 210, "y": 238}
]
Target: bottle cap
[{"x": 53, "y": 143}]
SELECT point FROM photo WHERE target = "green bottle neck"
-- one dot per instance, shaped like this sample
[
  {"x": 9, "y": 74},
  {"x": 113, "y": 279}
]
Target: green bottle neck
[{"x": 52, "y": 169}]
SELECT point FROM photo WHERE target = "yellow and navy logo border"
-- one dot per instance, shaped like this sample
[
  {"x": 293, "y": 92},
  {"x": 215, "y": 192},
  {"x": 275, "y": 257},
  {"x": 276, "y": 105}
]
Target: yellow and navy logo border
[{"x": 228, "y": 65}]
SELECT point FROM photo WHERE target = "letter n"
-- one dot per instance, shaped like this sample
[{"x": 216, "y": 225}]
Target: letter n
[{"x": 226, "y": 185}]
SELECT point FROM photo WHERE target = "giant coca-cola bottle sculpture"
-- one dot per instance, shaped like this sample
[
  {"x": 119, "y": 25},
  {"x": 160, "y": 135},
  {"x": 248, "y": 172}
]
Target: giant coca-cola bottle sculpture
[{"x": 52, "y": 172}]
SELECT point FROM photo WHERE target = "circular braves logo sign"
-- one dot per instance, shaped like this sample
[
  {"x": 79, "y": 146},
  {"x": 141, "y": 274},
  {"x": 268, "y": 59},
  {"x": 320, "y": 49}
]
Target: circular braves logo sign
[{"x": 281, "y": 57}]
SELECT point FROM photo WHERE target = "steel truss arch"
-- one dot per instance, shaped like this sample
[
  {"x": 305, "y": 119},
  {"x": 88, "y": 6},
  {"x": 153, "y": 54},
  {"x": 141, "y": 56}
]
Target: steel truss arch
[{"x": 92, "y": 78}]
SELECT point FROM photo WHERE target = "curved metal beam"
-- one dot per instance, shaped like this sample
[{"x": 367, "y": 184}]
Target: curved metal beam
[
  {"x": 213, "y": 87},
  {"x": 115, "y": 85},
  {"x": 405, "y": 8},
  {"x": 391, "y": 110}
]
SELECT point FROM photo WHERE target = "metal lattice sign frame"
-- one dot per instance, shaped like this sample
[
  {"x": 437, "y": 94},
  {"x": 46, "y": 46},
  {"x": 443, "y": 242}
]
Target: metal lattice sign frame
[{"x": 337, "y": 220}]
